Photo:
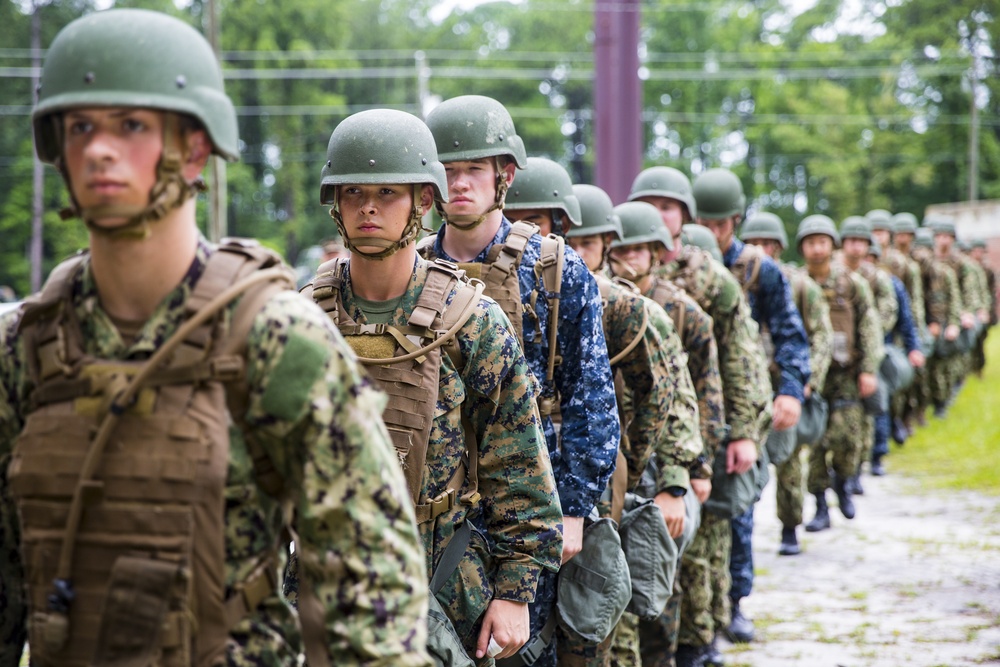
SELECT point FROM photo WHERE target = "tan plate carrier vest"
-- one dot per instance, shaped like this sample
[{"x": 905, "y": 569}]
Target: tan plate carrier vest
[
  {"x": 842, "y": 298},
  {"x": 409, "y": 373},
  {"x": 499, "y": 274},
  {"x": 119, "y": 477},
  {"x": 746, "y": 269}
]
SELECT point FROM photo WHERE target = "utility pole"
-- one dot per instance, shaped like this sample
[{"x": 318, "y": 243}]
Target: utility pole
[
  {"x": 618, "y": 126},
  {"x": 38, "y": 173},
  {"x": 973, "y": 133},
  {"x": 218, "y": 227}
]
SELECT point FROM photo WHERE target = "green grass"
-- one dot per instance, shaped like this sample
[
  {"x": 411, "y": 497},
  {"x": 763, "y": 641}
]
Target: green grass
[{"x": 958, "y": 452}]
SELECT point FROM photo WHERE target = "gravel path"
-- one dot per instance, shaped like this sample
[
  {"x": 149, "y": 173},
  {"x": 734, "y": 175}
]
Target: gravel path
[{"x": 913, "y": 580}]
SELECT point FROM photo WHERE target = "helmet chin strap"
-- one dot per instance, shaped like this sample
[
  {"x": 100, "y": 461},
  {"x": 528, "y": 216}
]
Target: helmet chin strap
[
  {"x": 169, "y": 191},
  {"x": 471, "y": 221},
  {"x": 413, "y": 227}
]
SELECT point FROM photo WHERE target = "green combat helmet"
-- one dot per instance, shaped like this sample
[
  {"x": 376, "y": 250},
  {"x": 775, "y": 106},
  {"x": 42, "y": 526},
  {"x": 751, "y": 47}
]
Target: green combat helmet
[
  {"x": 545, "y": 184},
  {"x": 978, "y": 243},
  {"x": 701, "y": 237},
  {"x": 856, "y": 227},
  {"x": 598, "y": 213},
  {"x": 641, "y": 223},
  {"x": 875, "y": 249},
  {"x": 664, "y": 182},
  {"x": 382, "y": 146},
  {"x": 940, "y": 224},
  {"x": 719, "y": 194},
  {"x": 879, "y": 219},
  {"x": 135, "y": 58},
  {"x": 924, "y": 238},
  {"x": 817, "y": 224},
  {"x": 765, "y": 225},
  {"x": 473, "y": 127},
  {"x": 904, "y": 223}
]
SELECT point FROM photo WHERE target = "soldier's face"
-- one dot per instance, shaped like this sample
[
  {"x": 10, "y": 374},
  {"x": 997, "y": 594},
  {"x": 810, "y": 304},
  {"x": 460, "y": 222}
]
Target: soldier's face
[
  {"x": 378, "y": 210},
  {"x": 722, "y": 229},
  {"x": 111, "y": 155},
  {"x": 674, "y": 212},
  {"x": 943, "y": 243},
  {"x": 856, "y": 249},
  {"x": 638, "y": 256},
  {"x": 770, "y": 246},
  {"x": 977, "y": 254},
  {"x": 538, "y": 216},
  {"x": 817, "y": 249},
  {"x": 589, "y": 248},
  {"x": 904, "y": 240},
  {"x": 472, "y": 185},
  {"x": 883, "y": 236}
]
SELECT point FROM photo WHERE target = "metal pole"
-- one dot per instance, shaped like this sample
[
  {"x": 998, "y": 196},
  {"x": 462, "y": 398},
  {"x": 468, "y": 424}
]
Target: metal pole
[
  {"x": 38, "y": 174},
  {"x": 218, "y": 224},
  {"x": 618, "y": 125},
  {"x": 973, "y": 136}
]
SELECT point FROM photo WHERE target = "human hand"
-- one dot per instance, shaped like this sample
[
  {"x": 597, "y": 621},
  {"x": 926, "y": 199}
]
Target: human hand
[
  {"x": 867, "y": 384},
  {"x": 672, "y": 509},
  {"x": 702, "y": 488},
  {"x": 572, "y": 536},
  {"x": 917, "y": 359},
  {"x": 740, "y": 456},
  {"x": 507, "y": 622},
  {"x": 786, "y": 412}
]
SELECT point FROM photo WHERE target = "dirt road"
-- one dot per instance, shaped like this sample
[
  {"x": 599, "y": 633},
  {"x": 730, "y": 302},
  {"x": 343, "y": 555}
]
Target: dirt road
[{"x": 913, "y": 580}]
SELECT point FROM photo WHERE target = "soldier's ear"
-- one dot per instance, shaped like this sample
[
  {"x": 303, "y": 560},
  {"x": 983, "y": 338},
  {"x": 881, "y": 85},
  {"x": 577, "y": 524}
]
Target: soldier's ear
[
  {"x": 426, "y": 199},
  {"x": 199, "y": 149},
  {"x": 508, "y": 169}
]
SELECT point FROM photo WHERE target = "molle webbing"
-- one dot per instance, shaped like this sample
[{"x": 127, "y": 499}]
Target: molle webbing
[
  {"x": 412, "y": 385},
  {"x": 842, "y": 299},
  {"x": 142, "y": 568}
]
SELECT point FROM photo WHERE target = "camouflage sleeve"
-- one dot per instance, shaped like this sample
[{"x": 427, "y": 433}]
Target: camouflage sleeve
[
  {"x": 319, "y": 420},
  {"x": 13, "y": 632},
  {"x": 746, "y": 384},
  {"x": 915, "y": 286},
  {"x": 938, "y": 298},
  {"x": 954, "y": 290},
  {"x": 870, "y": 336},
  {"x": 820, "y": 328},
  {"x": 519, "y": 499},
  {"x": 588, "y": 446},
  {"x": 774, "y": 305},
  {"x": 680, "y": 450},
  {"x": 885, "y": 301},
  {"x": 971, "y": 288},
  {"x": 645, "y": 370}
]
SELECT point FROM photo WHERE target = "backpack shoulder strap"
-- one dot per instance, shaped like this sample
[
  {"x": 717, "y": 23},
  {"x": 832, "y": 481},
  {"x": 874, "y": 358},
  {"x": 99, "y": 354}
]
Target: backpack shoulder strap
[{"x": 548, "y": 274}]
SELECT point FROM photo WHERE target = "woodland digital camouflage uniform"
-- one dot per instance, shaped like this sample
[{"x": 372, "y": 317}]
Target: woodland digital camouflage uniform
[
  {"x": 816, "y": 317},
  {"x": 746, "y": 392},
  {"x": 942, "y": 306},
  {"x": 660, "y": 420},
  {"x": 584, "y": 453},
  {"x": 659, "y": 637},
  {"x": 847, "y": 417},
  {"x": 887, "y": 306},
  {"x": 317, "y": 417},
  {"x": 520, "y": 522}
]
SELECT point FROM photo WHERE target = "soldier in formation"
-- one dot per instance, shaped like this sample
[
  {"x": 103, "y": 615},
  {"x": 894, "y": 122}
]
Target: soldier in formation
[{"x": 433, "y": 424}]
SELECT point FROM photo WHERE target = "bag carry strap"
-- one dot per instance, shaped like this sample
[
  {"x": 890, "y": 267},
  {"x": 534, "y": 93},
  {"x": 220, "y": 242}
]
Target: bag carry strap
[
  {"x": 532, "y": 651},
  {"x": 452, "y": 556}
]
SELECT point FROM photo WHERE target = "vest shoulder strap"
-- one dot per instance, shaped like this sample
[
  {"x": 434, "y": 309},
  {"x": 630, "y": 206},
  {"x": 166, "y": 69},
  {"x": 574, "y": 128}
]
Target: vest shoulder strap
[
  {"x": 548, "y": 273},
  {"x": 746, "y": 268}
]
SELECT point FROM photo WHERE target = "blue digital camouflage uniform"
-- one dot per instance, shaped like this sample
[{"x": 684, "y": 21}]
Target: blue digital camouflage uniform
[
  {"x": 583, "y": 455},
  {"x": 771, "y": 304},
  {"x": 317, "y": 417},
  {"x": 905, "y": 330},
  {"x": 519, "y": 517}
]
